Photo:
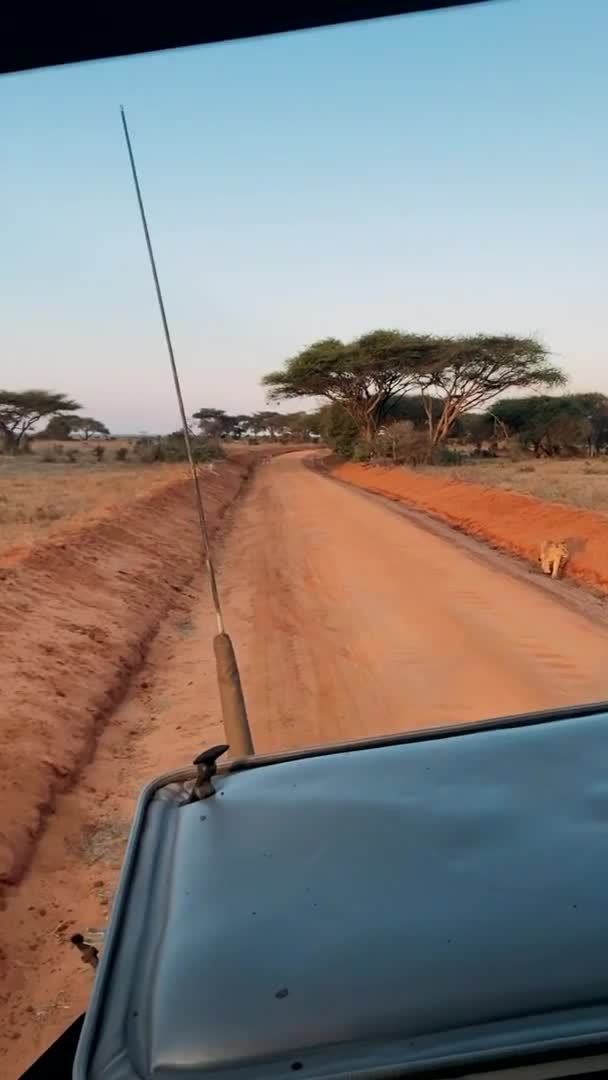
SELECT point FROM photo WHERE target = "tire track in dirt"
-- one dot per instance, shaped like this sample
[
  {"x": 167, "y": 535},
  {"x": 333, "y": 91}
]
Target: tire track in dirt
[
  {"x": 169, "y": 713},
  {"x": 76, "y": 618}
]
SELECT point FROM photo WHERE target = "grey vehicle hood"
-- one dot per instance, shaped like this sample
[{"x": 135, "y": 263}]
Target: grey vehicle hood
[{"x": 371, "y": 912}]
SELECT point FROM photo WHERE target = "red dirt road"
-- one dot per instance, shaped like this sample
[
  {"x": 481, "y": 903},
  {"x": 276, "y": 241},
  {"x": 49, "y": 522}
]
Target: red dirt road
[
  {"x": 351, "y": 621},
  {"x": 508, "y": 520},
  {"x": 348, "y": 620}
]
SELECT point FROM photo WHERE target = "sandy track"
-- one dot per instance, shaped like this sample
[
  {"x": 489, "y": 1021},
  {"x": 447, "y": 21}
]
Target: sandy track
[
  {"x": 510, "y": 521},
  {"x": 348, "y": 621},
  {"x": 351, "y": 621}
]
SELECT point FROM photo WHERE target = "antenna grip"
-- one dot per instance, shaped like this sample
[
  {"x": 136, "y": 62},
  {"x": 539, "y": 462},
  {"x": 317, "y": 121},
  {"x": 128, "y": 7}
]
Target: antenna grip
[{"x": 234, "y": 713}]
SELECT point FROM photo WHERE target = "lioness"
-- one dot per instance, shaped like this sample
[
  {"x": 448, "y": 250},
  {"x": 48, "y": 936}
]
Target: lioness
[{"x": 553, "y": 556}]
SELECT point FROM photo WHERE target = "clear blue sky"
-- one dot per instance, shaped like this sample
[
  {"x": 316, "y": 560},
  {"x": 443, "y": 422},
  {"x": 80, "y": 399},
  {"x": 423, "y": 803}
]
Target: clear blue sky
[{"x": 441, "y": 172}]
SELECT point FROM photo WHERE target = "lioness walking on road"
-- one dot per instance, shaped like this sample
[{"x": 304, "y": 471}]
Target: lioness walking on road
[{"x": 553, "y": 556}]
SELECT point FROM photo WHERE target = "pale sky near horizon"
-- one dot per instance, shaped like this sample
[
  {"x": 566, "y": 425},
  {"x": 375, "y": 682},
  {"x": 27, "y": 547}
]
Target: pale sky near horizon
[{"x": 443, "y": 172}]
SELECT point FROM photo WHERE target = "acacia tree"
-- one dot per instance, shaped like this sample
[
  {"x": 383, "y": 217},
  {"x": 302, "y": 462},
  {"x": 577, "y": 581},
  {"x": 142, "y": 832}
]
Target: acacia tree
[
  {"x": 239, "y": 423},
  {"x": 594, "y": 407},
  {"x": 476, "y": 370},
  {"x": 87, "y": 426},
  {"x": 60, "y": 427},
  {"x": 21, "y": 411},
  {"x": 299, "y": 425},
  {"x": 217, "y": 423},
  {"x": 412, "y": 407},
  {"x": 361, "y": 376},
  {"x": 64, "y": 425},
  {"x": 211, "y": 421},
  {"x": 546, "y": 425},
  {"x": 272, "y": 422}
]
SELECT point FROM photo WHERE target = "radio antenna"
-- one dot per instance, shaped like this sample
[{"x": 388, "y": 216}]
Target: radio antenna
[{"x": 234, "y": 713}]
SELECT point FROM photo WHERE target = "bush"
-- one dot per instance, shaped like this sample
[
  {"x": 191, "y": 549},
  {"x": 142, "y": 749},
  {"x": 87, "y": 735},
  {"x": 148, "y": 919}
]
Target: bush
[
  {"x": 402, "y": 444},
  {"x": 98, "y": 452},
  {"x": 484, "y": 452},
  {"x": 363, "y": 450},
  {"x": 121, "y": 453},
  {"x": 147, "y": 450},
  {"x": 445, "y": 455},
  {"x": 207, "y": 450},
  {"x": 72, "y": 455},
  {"x": 172, "y": 449},
  {"x": 48, "y": 458},
  {"x": 339, "y": 431},
  {"x": 9, "y": 447}
]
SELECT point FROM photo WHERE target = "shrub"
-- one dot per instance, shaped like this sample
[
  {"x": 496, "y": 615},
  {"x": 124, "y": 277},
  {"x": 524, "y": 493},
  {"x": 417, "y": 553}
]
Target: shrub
[
  {"x": 445, "y": 455},
  {"x": 339, "y": 431},
  {"x": 363, "y": 450},
  {"x": 484, "y": 452},
  {"x": 98, "y": 452},
  {"x": 48, "y": 458},
  {"x": 121, "y": 453},
  {"x": 172, "y": 448},
  {"x": 72, "y": 455},
  {"x": 9, "y": 447},
  {"x": 402, "y": 444},
  {"x": 207, "y": 450}
]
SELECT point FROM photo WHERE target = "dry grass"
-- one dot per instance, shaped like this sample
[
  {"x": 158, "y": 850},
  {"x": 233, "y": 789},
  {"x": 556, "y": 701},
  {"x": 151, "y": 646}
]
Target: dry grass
[
  {"x": 575, "y": 482},
  {"x": 40, "y": 499},
  {"x": 46, "y": 495},
  {"x": 83, "y": 445}
]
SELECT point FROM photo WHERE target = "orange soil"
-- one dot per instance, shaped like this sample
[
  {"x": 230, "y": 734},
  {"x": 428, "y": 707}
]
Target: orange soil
[
  {"x": 348, "y": 620},
  {"x": 507, "y": 520},
  {"x": 76, "y": 616}
]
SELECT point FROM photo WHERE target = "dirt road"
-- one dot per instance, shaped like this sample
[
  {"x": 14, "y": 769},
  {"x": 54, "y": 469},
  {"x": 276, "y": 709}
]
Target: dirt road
[{"x": 348, "y": 621}]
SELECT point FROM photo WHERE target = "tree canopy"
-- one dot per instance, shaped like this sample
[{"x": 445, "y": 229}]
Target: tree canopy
[
  {"x": 476, "y": 370},
  {"x": 452, "y": 375},
  {"x": 266, "y": 420},
  {"x": 595, "y": 409},
  {"x": 549, "y": 425},
  {"x": 361, "y": 376},
  {"x": 20, "y": 411},
  {"x": 64, "y": 425},
  {"x": 87, "y": 426},
  {"x": 211, "y": 421},
  {"x": 59, "y": 427}
]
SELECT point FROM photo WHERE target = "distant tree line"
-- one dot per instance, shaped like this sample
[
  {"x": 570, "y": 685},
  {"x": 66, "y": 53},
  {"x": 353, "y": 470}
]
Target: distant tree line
[
  {"x": 22, "y": 411},
  {"x": 386, "y": 394},
  {"x": 406, "y": 396},
  {"x": 550, "y": 425},
  {"x": 65, "y": 426},
  {"x": 542, "y": 425},
  {"x": 266, "y": 424}
]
